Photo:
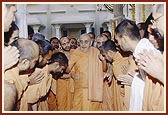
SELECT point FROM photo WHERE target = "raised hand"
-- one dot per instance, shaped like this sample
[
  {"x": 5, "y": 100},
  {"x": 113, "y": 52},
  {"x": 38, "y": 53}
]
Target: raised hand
[
  {"x": 126, "y": 79},
  {"x": 108, "y": 77},
  {"x": 11, "y": 56},
  {"x": 152, "y": 63}
]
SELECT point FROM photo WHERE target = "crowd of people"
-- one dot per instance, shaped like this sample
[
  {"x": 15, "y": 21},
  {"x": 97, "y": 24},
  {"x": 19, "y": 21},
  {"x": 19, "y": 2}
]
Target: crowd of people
[{"x": 91, "y": 73}]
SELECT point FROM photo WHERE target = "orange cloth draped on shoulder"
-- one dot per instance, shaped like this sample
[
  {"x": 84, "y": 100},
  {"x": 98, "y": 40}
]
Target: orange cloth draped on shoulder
[
  {"x": 153, "y": 95},
  {"x": 35, "y": 92},
  {"x": 89, "y": 85},
  {"x": 95, "y": 76},
  {"x": 118, "y": 89},
  {"x": 20, "y": 81}
]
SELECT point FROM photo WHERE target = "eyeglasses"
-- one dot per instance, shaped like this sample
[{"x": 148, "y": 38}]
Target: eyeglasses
[{"x": 154, "y": 30}]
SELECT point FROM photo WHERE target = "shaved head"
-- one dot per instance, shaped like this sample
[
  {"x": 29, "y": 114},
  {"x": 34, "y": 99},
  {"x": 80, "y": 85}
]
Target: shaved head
[
  {"x": 28, "y": 50},
  {"x": 85, "y": 42}
]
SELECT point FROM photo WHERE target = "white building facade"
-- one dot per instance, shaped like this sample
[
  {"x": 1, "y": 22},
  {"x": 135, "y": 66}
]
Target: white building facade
[{"x": 74, "y": 19}]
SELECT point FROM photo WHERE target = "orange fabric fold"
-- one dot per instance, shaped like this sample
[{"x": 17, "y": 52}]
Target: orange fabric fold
[
  {"x": 118, "y": 89},
  {"x": 153, "y": 95},
  {"x": 37, "y": 91},
  {"x": 81, "y": 101},
  {"x": 20, "y": 81},
  {"x": 95, "y": 75}
]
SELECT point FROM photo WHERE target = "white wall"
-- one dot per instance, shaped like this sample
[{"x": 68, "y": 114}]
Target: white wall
[{"x": 45, "y": 13}]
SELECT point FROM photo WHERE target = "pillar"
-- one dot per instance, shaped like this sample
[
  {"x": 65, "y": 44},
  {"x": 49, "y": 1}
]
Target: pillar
[
  {"x": 113, "y": 26},
  {"x": 143, "y": 13},
  {"x": 88, "y": 27},
  {"x": 36, "y": 28},
  {"x": 118, "y": 10},
  {"x": 118, "y": 13},
  {"x": 133, "y": 12},
  {"x": 21, "y": 20},
  {"x": 57, "y": 30}
]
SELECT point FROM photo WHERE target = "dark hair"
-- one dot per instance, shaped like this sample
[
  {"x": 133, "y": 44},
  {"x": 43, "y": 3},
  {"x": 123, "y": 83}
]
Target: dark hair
[
  {"x": 59, "y": 57},
  {"x": 73, "y": 39},
  {"x": 38, "y": 36},
  {"x": 147, "y": 22},
  {"x": 141, "y": 26},
  {"x": 149, "y": 18},
  {"x": 128, "y": 28},
  {"x": 108, "y": 45},
  {"x": 7, "y": 35},
  {"x": 102, "y": 35},
  {"x": 26, "y": 48},
  {"x": 53, "y": 38},
  {"x": 92, "y": 34},
  {"x": 108, "y": 32},
  {"x": 44, "y": 47}
]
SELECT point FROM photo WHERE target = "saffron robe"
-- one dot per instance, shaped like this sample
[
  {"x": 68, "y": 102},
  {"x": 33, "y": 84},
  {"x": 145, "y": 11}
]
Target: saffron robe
[
  {"x": 88, "y": 88},
  {"x": 51, "y": 97},
  {"x": 64, "y": 93},
  {"x": 36, "y": 91},
  {"x": 108, "y": 102},
  {"x": 153, "y": 95},
  {"x": 20, "y": 81}
]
